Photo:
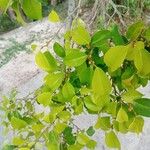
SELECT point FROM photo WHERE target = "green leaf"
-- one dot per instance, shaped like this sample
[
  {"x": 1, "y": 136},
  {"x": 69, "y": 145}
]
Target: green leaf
[
  {"x": 54, "y": 80},
  {"x": 37, "y": 128},
  {"x": 90, "y": 131},
  {"x": 111, "y": 108},
  {"x": 59, "y": 50},
  {"x": 4, "y": 4},
  {"x": 75, "y": 58},
  {"x": 137, "y": 125},
  {"x": 116, "y": 36},
  {"x": 17, "y": 123},
  {"x": 101, "y": 84},
  {"x": 115, "y": 56},
  {"x": 90, "y": 105},
  {"x": 100, "y": 37},
  {"x": 112, "y": 140},
  {"x": 53, "y": 143},
  {"x": 68, "y": 91},
  {"x": 135, "y": 30},
  {"x": 131, "y": 95},
  {"x": 53, "y": 16},
  {"x": 122, "y": 115},
  {"x": 32, "y": 8},
  {"x": 59, "y": 127},
  {"x": 80, "y": 35},
  {"x": 76, "y": 146},
  {"x": 147, "y": 34},
  {"x": 82, "y": 139},
  {"x": 142, "y": 106},
  {"x": 68, "y": 135},
  {"x": 64, "y": 116},
  {"x": 44, "y": 98},
  {"x": 45, "y": 61},
  {"x": 103, "y": 123}
]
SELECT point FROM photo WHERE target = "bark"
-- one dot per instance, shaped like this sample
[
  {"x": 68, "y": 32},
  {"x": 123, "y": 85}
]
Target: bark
[{"x": 11, "y": 14}]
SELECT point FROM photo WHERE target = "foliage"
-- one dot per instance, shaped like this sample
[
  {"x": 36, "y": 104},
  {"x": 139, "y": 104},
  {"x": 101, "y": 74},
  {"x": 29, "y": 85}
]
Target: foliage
[
  {"x": 6, "y": 24},
  {"x": 97, "y": 75}
]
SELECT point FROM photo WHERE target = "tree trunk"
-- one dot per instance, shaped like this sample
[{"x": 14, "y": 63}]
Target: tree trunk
[{"x": 11, "y": 14}]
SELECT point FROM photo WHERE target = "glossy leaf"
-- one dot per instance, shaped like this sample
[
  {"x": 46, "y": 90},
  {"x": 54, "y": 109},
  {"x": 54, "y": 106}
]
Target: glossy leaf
[
  {"x": 103, "y": 123},
  {"x": 142, "y": 106},
  {"x": 45, "y": 61},
  {"x": 68, "y": 91},
  {"x": 131, "y": 95},
  {"x": 59, "y": 50},
  {"x": 75, "y": 58},
  {"x": 82, "y": 139},
  {"x": 100, "y": 83},
  {"x": 122, "y": 115},
  {"x": 44, "y": 98},
  {"x": 112, "y": 140},
  {"x": 54, "y": 80},
  {"x": 137, "y": 125},
  {"x": 32, "y": 8},
  {"x": 17, "y": 123},
  {"x": 135, "y": 30},
  {"x": 81, "y": 36},
  {"x": 115, "y": 56}
]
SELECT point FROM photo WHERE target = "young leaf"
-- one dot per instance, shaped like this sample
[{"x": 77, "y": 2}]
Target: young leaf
[
  {"x": 81, "y": 36},
  {"x": 45, "y": 61},
  {"x": 44, "y": 98},
  {"x": 32, "y": 8},
  {"x": 59, "y": 127},
  {"x": 135, "y": 30},
  {"x": 53, "y": 16},
  {"x": 101, "y": 84},
  {"x": 17, "y": 123},
  {"x": 91, "y": 144},
  {"x": 103, "y": 123},
  {"x": 112, "y": 140},
  {"x": 131, "y": 95},
  {"x": 142, "y": 106},
  {"x": 137, "y": 125},
  {"x": 54, "y": 80},
  {"x": 68, "y": 91},
  {"x": 122, "y": 115},
  {"x": 115, "y": 56},
  {"x": 75, "y": 58},
  {"x": 64, "y": 116},
  {"x": 59, "y": 50},
  {"x": 4, "y": 4},
  {"x": 82, "y": 139},
  {"x": 18, "y": 141}
]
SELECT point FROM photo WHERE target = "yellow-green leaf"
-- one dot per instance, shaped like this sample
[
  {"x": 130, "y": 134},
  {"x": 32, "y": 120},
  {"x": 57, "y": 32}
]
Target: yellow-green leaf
[
  {"x": 54, "y": 80},
  {"x": 131, "y": 95},
  {"x": 112, "y": 140},
  {"x": 45, "y": 61},
  {"x": 122, "y": 115},
  {"x": 59, "y": 127},
  {"x": 115, "y": 56},
  {"x": 75, "y": 58},
  {"x": 137, "y": 125},
  {"x": 82, "y": 139},
  {"x": 44, "y": 98},
  {"x": 100, "y": 83},
  {"x": 64, "y": 115},
  {"x": 80, "y": 35},
  {"x": 68, "y": 91},
  {"x": 103, "y": 123},
  {"x": 18, "y": 141},
  {"x": 53, "y": 16},
  {"x": 17, "y": 123}
]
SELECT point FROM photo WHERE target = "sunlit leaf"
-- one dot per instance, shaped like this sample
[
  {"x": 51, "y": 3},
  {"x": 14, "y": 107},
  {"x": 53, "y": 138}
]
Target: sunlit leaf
[
  {"x": 122, "y": 115},
  {"x": 53, "y": 16}
]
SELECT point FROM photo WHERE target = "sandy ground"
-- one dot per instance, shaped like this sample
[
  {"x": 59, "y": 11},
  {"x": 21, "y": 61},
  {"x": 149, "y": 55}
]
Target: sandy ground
[{"x": 22, "y": 73}]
